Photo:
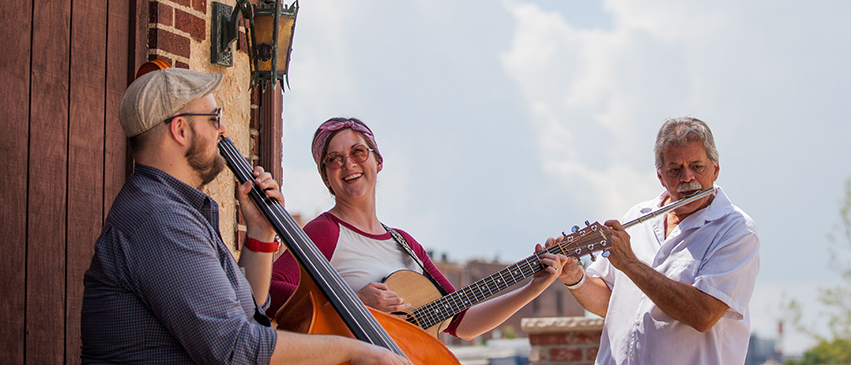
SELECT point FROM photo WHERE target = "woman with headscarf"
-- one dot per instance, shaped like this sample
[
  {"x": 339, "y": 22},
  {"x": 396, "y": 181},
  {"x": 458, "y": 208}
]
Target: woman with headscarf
[{"x": 364, "y": 251}]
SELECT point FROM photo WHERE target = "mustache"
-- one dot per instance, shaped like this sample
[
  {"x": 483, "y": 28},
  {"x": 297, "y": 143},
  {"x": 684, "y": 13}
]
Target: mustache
[{"x": 694, "y": 185}]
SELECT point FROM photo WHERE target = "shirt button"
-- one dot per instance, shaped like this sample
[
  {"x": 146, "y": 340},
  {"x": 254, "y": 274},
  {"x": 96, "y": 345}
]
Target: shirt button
[
  {"x": 637, "y": 323},
  {"x": 634, "y": 355}
]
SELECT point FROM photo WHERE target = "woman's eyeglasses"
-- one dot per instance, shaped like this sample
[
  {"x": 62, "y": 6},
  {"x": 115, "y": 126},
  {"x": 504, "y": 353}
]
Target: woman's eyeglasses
[
  {"x": 335, "y": 160},
  {"x": 217, "y": 114}
]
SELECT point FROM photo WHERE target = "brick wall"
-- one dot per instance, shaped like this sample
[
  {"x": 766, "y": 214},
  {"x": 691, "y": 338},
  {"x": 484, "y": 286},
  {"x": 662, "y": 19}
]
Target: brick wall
[
  {"x": 179, "y": 33},
  {"x": 563, "y": 340},
  {"x": 171, "y": 27}
]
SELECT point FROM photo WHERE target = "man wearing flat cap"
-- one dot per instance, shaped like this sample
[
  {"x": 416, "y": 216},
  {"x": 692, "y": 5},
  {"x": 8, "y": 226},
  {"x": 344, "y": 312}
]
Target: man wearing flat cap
[{"x": 162, "y": 286}]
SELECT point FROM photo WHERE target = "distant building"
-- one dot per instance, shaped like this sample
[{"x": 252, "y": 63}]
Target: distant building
[
  {"x": 495, "y": 352},
  {"x": 762, "y": 351},
  {"x": 555, "y": 301}
]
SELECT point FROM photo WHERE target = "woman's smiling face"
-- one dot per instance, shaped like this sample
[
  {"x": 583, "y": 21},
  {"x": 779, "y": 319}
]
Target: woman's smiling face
[{"x": 353, "y": 180}]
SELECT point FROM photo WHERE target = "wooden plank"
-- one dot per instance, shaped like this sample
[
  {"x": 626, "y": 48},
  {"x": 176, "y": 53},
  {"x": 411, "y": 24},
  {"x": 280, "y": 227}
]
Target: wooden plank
[
  {"x": 16, "y": 17},
  {"x": 85, "y": 156},
  {"x": 119, "y": 72},
  {"x": 140, "y": 37},
  {"x": 47, "y": 198}
]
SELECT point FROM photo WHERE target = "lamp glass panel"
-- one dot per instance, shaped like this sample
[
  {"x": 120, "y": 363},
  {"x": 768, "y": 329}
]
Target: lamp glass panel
[{"x": 263, "y": 24}]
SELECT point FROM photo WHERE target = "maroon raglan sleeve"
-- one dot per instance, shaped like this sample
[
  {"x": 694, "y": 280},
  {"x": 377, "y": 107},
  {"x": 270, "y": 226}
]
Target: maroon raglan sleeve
[{"x": 285, "y": 272}]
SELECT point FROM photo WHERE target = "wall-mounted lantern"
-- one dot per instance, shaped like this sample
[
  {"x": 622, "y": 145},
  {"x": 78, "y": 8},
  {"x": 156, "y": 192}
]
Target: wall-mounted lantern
[{"x": 270, "y": 36}]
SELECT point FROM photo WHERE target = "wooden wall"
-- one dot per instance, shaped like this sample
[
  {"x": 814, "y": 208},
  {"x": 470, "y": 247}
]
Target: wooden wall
[{"x": 64, "y": 66}]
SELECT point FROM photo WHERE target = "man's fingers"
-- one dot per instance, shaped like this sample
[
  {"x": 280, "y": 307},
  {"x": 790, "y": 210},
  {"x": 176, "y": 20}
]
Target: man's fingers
[{"x": 614, "y": 224}]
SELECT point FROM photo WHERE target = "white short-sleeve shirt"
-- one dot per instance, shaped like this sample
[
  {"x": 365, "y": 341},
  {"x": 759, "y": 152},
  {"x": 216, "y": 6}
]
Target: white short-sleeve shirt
[{"x": 715, "y": 249}]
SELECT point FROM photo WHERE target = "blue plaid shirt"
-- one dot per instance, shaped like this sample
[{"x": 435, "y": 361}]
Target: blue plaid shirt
[{"x": 163, "y": 287}]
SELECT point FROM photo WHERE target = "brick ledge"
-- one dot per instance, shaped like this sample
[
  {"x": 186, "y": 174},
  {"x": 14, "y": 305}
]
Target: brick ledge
[{"x": 561, "y": 324}]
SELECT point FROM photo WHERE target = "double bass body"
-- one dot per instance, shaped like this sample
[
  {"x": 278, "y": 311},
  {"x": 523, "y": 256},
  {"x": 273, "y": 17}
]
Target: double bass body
[{"x": 308, "y": 311}]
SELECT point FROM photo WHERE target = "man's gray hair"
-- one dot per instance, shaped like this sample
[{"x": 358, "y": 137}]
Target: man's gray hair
[{"x": 681, "y": 131}]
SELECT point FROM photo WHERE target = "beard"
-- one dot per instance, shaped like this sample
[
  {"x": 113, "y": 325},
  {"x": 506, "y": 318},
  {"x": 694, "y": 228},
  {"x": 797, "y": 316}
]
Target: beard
[{"x": 206, "y": 168}]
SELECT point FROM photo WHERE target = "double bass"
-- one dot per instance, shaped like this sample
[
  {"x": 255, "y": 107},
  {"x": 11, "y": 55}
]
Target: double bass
[{"x": 323, "y": 303}]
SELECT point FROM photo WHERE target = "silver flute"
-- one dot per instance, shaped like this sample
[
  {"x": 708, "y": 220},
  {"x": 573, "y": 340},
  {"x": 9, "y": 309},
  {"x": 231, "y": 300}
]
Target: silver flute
[{"x": 669, "y": 207}]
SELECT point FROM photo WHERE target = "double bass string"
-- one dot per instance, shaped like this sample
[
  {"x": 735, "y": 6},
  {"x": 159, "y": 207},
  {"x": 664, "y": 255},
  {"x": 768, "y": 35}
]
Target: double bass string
[
  {"x": 279, "y": 218},
  {"x": 368, "y": 329},
  {"x": 243, "y": 173}
]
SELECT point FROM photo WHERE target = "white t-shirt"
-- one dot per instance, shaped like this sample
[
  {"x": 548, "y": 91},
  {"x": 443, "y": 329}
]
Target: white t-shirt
[{"x": 361, "y": 259}]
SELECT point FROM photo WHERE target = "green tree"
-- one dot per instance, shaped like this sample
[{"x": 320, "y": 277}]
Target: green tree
[
  {"x": 826, "y": 353},
  {"x": 837, "y": 299}
]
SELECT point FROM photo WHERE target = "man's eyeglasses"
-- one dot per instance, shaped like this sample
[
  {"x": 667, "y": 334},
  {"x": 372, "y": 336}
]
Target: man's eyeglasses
[
  {"x": 217, "y": 114},
  {"x": 334, "y": 160}
]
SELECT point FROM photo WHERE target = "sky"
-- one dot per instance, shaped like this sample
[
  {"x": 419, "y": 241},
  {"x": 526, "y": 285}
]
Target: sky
[{"x": 502, "y": 123}]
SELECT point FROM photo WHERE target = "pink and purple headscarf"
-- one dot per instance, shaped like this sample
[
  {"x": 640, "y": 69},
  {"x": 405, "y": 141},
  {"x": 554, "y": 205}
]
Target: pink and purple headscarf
[{"x": 324, "y": 132}]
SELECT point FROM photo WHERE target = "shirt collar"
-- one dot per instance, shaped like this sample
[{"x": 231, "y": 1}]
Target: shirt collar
[{"x": 194, "y": 197}]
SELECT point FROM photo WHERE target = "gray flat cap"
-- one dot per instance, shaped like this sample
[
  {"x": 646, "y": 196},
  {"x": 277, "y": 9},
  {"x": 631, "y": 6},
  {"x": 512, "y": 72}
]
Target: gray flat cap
[{"x": 157, "y": 95}]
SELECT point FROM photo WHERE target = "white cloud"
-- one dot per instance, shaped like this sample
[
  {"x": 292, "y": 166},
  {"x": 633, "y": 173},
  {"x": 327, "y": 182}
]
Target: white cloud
[
  {"x": 571, "y": 81},
  {"x": 596, "y": 96},
  {"x": 322, "y": 68}
]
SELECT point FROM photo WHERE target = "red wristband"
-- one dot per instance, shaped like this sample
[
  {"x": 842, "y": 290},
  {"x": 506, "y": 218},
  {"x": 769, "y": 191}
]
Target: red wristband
[{"x": 257, "y": 246}]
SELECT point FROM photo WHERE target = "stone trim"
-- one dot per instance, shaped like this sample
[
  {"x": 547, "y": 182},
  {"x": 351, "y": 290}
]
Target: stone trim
[{"x": 561, "y": 324}]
